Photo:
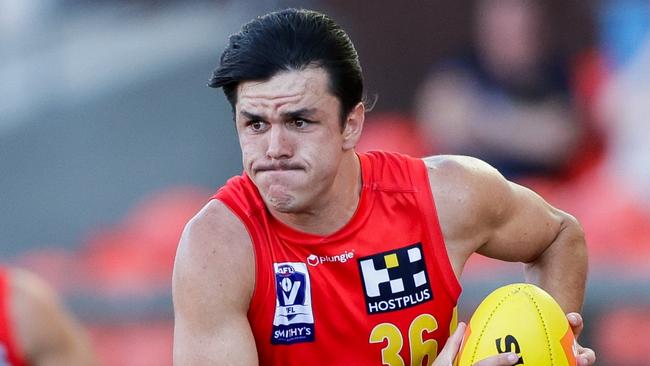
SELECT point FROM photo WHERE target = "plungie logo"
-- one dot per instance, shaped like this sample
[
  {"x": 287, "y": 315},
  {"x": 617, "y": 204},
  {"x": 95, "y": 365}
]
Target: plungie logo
[
  {"x": 395, "y": 279},
  {"x": 314, "y": 260}
]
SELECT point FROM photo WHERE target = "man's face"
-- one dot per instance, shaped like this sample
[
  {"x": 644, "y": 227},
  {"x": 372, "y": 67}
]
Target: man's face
[
  {"x": 509, "y": 32},
  {"x": 290, "y": 135}
]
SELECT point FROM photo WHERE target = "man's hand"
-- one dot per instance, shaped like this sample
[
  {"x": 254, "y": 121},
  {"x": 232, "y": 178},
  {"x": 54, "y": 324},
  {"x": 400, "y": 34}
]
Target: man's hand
[
  {"x": 584, "y": 356},
  {"x": 449, "y": 351}
]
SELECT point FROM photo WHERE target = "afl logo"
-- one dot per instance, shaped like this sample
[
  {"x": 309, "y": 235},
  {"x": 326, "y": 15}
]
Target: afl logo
[{"x": 285, "y": 270}]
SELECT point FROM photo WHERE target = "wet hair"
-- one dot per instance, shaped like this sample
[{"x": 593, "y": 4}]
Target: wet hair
[{"x": 291, "y": 40}]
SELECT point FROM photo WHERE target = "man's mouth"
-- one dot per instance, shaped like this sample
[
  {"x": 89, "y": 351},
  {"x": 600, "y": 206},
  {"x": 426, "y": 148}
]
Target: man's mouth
[{"x": 277, "y": 167}]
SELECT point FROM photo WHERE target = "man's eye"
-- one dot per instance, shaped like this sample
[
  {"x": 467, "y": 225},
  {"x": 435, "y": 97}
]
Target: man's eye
[
  {"x": 256, "y": 125},
  {"x": 300, "y": 123}
]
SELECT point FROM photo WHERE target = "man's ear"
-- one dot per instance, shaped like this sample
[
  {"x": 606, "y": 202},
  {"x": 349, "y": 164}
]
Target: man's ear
[{"x": 353, "y": 126}]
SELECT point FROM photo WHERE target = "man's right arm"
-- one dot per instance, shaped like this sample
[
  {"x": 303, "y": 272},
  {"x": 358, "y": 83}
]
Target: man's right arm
[{"x": 214, "y": 277}]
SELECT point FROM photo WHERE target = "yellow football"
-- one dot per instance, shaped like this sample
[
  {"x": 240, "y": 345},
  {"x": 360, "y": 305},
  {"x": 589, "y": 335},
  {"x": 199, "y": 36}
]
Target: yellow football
[{"x": 520, "y": 318}]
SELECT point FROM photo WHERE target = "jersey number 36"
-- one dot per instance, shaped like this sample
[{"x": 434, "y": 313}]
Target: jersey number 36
[{"x": 419, "y": 347}]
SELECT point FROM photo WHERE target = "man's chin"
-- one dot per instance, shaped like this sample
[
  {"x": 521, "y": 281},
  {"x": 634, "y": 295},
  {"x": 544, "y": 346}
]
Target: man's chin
[{"x": 283, "y": 204}]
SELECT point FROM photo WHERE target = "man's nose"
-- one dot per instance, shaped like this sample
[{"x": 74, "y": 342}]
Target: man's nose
[{"x": 279, "y": 143}]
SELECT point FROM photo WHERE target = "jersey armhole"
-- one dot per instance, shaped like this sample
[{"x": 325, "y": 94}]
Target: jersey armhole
[
  {"x": 244, "y": 218},
  {"x": 427, "y": 206}
]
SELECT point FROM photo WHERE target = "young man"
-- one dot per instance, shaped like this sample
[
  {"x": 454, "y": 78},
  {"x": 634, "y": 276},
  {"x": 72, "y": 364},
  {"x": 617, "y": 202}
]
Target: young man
[
  {"x": 34, "y": 328},
  {"x": 319, "y": 255}
]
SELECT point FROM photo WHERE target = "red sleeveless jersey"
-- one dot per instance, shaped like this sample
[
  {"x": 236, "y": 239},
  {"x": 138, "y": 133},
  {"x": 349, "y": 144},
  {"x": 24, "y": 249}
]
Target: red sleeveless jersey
[
  {"x": 380, "y": 291},
  {"x": 9, "y": 353}
]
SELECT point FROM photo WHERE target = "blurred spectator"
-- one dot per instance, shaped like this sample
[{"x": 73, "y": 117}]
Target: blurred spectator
[
  {"x": 34, "y": 327},
  {"x": 119, "y": 280},
  {"x": 623, "y": 28},
  {"x": 625, "y": 100},
  {"x": 508, "y": 100},
  {"x": 612, "y": 201}
]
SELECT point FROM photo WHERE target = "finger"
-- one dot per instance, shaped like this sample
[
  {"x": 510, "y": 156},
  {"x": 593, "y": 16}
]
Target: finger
[
  {"x": 575, "y": 320},
  {"x": 450, "y": 349},
  {"x": 457, "y": 338},
  {"x": 586, "y": 357},
  {"x": 503, "y": 359}
]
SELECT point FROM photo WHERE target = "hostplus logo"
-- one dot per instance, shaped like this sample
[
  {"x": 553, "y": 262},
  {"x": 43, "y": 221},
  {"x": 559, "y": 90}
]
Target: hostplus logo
[
  {"x": 314, "y": 260},
  {"x": 395, "y": 280}
]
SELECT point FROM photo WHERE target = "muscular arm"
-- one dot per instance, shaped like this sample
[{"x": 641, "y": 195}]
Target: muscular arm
[
  {"x": 212, "y": 286},
  {"x": 482, "y": 212},
  {"x": 47, "y": 334}
]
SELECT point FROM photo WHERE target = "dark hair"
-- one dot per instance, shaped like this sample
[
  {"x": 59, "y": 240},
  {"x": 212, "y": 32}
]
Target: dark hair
[{"x": 291, "y": 39}]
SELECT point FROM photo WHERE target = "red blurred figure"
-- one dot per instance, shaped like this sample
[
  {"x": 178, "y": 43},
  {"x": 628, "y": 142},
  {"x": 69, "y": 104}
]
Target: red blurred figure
[
  {"x": 35, "y": 329},
  {"x": 137, "y": 255}
]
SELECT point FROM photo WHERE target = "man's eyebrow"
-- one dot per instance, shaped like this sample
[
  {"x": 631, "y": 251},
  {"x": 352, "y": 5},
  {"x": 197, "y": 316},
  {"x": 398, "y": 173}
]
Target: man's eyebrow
[
  {"x": 299, "y": 113},
  {"x": 252, "y": 116}
]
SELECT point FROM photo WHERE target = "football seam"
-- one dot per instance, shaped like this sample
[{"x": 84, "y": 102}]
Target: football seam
[
  {"x": 480, "y": 336},
  {"x": 546, "y": 333}
]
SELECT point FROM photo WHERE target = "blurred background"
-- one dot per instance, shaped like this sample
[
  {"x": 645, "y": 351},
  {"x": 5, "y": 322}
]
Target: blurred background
[{"x": 110, "y": 141}]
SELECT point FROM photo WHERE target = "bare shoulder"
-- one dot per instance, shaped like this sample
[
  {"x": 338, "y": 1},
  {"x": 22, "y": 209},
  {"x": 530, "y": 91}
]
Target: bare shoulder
[
  {"x": 213, "y": 282},
  {"x": 34, "y": 305},
  {"x": 33, "y": 299},
  {"x": 471, "y": 197},
  {"x": 458, "y": 167},
  {"x": 214, "y": 228},
  {"x": 35, "y": 302},
  {"x": 466, "y": 183},
  {"x": 215, "y": 256},
  {"x": 215, "y": 236},
  {"x": 46, "y": 331},
  {"x": 27, "y": 286}
]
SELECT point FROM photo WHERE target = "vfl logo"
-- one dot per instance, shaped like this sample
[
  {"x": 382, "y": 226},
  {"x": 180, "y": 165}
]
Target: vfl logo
[
  {"x": 293, "y": 321},
  {"x": 395, "y": 279},
  {"x": 314, "y": 260},
  {"x": 289, "y": 284}
]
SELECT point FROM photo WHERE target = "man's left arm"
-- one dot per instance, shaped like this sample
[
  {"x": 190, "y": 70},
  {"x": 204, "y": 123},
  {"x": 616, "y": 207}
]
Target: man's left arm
[
  {"x": 555, "y": 255},
  {"x": 549, "y": 241},
  {"x": 480, "y": 211}
]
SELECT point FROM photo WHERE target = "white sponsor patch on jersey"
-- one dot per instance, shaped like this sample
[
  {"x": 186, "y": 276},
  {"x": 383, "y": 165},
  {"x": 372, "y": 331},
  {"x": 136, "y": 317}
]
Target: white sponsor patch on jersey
[{"x": 293, "y": 321}]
